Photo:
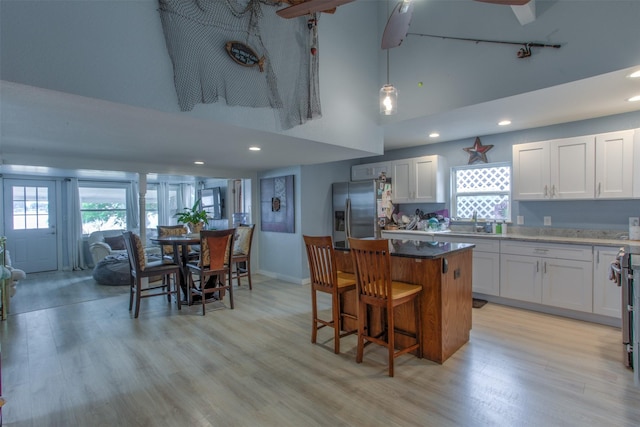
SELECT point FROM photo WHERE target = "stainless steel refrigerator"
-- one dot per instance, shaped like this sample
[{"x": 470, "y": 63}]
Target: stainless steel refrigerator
[{"x": 360, "y": 209}]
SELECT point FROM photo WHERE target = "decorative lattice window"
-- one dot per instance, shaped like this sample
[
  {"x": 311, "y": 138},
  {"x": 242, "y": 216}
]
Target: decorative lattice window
[{"x": 484, "y": 189}]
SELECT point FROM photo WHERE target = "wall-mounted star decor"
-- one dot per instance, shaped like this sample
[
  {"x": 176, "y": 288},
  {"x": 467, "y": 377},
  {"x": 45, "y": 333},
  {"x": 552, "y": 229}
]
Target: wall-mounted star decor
[{"x": 478, "y": 152}]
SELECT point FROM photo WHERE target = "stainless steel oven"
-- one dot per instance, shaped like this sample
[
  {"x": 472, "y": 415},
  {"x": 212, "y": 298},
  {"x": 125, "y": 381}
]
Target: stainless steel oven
[
  {"x": 625, "y": 269},
  {"x": 625, "y": 280}
]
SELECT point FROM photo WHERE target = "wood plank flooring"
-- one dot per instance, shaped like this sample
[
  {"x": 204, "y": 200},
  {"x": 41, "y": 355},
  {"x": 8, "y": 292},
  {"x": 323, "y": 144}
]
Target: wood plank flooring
[{"x": 89, "y": 363}]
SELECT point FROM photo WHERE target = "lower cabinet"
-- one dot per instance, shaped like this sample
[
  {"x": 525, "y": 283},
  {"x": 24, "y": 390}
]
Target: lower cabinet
[
  {"x": 521, "y": 278},
  {"x": 607, "y": 295},
  {"x": 486, "y": 262},
  {"x": 553, "y": 275}
]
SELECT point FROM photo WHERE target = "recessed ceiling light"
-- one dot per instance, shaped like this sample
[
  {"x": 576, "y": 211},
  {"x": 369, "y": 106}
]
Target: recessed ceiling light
[
  {"x": 198, "y": 162},
  {"x": 635, "y": 74},
  {"x": 634, "y": 98},
  {"x": 254, "y": 148},
  {"x": 504, "y": 122},
  {"x": 434, "y": 135}
]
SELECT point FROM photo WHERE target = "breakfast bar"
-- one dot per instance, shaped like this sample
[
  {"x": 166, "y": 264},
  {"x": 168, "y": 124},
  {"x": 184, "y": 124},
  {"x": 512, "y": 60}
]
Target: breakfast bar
[{"x": 445, "y": 272}]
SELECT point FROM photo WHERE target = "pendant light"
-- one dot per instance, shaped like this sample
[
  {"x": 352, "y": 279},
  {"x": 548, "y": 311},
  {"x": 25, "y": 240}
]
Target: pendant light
[
  {"x": 394, "y": 32},
  {"x": 388, "y": 96}
]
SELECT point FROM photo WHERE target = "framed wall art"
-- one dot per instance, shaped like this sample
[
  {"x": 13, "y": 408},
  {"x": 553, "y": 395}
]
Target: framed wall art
[{"x": 277, "y": 209}]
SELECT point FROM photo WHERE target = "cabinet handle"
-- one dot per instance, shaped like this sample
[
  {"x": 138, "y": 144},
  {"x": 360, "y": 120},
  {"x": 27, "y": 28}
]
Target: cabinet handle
[
  {"x": 537, "y": 266},
  {"x": 553, "y": 190},
  {"x": 546, "y": 192},
  {"x": 598, "y": 257},
  {"x": 599, "y": 188},
  {"x": 544, "y": 264}
]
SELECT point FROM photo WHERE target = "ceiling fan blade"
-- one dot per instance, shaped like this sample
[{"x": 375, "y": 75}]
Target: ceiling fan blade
[
  {"x": 397, "y": 25},
  {"x": 507, "y": 2},
  {"x": 310, "y": 6}
]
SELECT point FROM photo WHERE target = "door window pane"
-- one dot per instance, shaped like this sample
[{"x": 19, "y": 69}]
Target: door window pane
[{"x": 30, "y": 207}]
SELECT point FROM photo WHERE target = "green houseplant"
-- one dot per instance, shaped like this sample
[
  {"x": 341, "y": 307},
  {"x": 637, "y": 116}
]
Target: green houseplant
[{"x": 194, "y": 218}]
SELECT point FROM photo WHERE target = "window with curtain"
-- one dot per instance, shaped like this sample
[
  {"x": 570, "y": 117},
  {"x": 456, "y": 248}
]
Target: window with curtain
[
  {"x": 485, "y": 189},
  {"x": 103, "y": 206}
]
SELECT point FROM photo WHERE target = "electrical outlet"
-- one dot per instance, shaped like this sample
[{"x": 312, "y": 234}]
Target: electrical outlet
[
  {"x": 520, "y": 220},
  {"x": 547, "y": 220},
  {"x": 634, "y": 221}
]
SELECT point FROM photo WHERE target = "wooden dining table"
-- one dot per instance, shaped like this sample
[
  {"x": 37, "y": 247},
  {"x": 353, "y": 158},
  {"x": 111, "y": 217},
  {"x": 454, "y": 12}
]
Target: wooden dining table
[{"x": 180, "y": 246}]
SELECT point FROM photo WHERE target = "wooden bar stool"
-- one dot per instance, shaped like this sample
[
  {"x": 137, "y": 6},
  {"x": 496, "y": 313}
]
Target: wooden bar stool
[
  {"x": 325, "y": 278},
  {"x": 372, "y": 262}
]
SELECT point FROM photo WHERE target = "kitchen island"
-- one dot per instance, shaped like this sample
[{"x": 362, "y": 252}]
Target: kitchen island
[{"x": 444, "y": 270}]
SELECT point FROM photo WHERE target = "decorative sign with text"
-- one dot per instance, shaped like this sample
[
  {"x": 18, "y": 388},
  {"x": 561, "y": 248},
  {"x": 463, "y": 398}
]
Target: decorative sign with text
[{"x": 244, "y": 55}]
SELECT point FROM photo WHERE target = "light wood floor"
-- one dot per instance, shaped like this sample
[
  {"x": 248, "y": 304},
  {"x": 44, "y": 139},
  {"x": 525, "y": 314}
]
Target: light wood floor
[{"x": 89, "y": 363}]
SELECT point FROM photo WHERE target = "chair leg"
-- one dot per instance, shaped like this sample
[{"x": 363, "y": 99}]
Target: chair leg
[
  {"x": 249, "y": 273},
  {"x": 138, "y": 290},
  {"x": 230, "y": 290},
  {"x": 335, "y": 314},
  {"x": 237, "y": 265},
  {"x": 131, "y": 285},
  {"x": 362, "y": 321},
  {"x": 390, "y": 339},
  {"x": 314, "y": 315},
  {"x": 177, "y": 290},
  {"x": 418, "y": 326}
]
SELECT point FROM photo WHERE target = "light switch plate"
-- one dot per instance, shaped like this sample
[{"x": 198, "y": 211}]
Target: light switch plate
[
  {"x": 520, "y": 220},
  {"x": 634, "y": 221},
  {"x": 547, "y": 220}
]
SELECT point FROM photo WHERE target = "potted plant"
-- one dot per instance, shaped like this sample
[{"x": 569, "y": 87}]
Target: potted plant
[{"x": 194, "y": 218}]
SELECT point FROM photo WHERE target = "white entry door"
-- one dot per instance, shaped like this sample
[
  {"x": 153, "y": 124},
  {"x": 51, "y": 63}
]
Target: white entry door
[{"x": 30, "y": 224}]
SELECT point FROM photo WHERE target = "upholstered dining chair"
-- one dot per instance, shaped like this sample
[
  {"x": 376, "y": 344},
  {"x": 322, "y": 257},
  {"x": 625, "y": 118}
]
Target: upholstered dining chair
[
  {"x": 213, "y": 267},
  {"x": 170, "y": 230},
  {"x": 326, "y": 278},
  {"x": 242, "y": 253},
  {"x": 372, "y": 262},
  {"x": 140, "y": 269}
]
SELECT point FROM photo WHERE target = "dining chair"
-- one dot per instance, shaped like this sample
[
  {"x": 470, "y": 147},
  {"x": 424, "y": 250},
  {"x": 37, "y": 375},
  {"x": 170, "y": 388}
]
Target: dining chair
[
  {"x": 213, "y": 267},
  {"x": 326, "y": 278},
  {"x": 376, "y": 289},
  {"x": 170, "y": 230},
  {"x": 242, "y": 252},
  {"x": 141, "y": 269}
]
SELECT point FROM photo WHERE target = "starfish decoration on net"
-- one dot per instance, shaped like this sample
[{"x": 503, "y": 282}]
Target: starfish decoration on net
[{"x": 478, "y": 152}]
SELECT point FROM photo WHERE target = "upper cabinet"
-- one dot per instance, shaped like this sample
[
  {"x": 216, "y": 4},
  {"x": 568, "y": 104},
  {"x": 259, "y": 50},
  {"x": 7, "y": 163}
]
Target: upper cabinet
[
  {"x": 369, "y": 171},
  {"x": 585, "y": 167},
  {"x": 419, "y": 180},
  {"x": 614, "y": 165}
]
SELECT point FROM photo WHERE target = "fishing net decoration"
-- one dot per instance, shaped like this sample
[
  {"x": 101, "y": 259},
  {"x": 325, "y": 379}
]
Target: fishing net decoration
[{"x": 196, "y": 32}]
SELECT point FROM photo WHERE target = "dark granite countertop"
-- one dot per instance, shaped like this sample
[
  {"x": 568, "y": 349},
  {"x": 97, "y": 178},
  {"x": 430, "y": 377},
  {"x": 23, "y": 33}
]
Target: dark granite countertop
[{"x": 423, "y": 250}]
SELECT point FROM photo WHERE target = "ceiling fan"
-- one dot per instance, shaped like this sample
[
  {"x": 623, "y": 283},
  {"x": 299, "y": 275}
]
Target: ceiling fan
[{"x": 306, "y": 7}]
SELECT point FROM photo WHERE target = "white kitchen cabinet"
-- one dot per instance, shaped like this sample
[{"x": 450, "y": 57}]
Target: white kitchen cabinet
[
  {"x": 370, "y": 171},
  {"x": 561, "y": 169},
  {"x": 419, "y": 180},
  {"x": 614, "y": 165},
  {"x": 520, "y": 278},
  {"x": 530, "y": 171},
  {"x": 486, "y": 262},
  {"x": 607, "y": 297},
  {"x": 554, "y": 275}
]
